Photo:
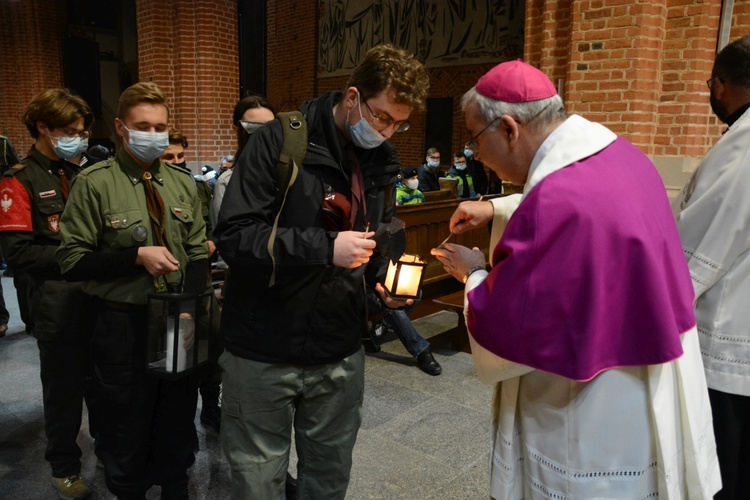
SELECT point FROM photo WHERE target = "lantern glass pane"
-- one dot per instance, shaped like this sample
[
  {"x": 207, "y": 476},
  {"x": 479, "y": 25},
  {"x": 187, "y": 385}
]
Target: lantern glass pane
[{"x": 408, "y": 280}]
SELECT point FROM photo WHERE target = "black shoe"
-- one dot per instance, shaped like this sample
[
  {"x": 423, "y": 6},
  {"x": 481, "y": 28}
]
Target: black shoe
[
  {"x": 211, "y": 418},
  {"x": 372, "y": 344},
  {"x": 291, "y": 487},
  {"x": 428, "y": 364}
]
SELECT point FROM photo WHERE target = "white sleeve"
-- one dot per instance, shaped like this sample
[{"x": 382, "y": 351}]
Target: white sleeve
[{"x": 504, "y": 208}]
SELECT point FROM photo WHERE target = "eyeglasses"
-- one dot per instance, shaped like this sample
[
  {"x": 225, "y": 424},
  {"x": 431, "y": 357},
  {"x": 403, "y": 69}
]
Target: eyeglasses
[
  {"x": 382, "y": 122},
  {"x": 72, "y": 134},
  {"x": 472, "y": 144},
  {"x": 710, "y": 82},
  {"x": 250, "y": 127}
]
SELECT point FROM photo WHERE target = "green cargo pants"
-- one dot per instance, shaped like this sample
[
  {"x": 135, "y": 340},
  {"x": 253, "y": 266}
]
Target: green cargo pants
[{"x": 260, "y": 404}]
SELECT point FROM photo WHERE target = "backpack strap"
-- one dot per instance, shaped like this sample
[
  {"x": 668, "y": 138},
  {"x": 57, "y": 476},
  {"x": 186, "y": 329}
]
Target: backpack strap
[{"x": 293, "y": 149}]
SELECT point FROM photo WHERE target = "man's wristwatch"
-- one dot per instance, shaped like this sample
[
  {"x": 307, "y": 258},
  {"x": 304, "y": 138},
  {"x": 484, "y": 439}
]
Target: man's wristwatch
[{"x": 472, "y": 271}]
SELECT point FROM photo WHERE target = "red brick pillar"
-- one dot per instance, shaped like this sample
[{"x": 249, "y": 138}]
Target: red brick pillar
[
  {"x": 31, "y": 60},
  {"x": 190, "y": 49}
]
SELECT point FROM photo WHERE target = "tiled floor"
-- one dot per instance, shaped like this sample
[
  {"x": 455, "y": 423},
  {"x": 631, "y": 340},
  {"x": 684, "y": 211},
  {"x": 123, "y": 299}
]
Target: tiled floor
[{"x": 421, "y": 436}]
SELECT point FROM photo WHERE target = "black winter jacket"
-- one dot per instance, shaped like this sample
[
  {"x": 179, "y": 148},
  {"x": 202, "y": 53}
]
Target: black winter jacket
[{"x": 315, "y": 312}]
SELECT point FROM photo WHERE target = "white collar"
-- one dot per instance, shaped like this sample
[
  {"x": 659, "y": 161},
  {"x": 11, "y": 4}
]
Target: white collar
[{"x": 573, "y": 140}]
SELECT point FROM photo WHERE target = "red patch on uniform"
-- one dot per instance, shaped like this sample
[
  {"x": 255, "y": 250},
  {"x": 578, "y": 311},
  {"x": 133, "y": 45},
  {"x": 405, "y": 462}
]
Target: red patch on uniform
[
  {"x": 53, "y": 222},
  {"x": 15, "y": 206}
]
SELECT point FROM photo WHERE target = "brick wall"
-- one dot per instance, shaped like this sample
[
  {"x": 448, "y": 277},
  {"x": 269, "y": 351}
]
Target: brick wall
[
  {"x": 293, "y": 76},
  {"x": 189, "y": 48},
  {"x": 639, "y": 68},
  {"x": 31, "y": 39}
]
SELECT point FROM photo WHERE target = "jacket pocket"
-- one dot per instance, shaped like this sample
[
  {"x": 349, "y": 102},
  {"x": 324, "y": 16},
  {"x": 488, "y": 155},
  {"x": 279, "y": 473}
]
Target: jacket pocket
[
  {"x": 183, "y": 218},
  {"x": 126, "y": 228}
]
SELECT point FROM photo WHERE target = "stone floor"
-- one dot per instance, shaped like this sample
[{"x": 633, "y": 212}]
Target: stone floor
[{"x": 421, "y": 436}]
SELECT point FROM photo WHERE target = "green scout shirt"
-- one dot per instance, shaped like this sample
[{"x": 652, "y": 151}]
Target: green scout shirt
[
  {"x": 107, "y": 210},
  {"x": 31, "y": 203},
  {"x": 204, "y": 194}
]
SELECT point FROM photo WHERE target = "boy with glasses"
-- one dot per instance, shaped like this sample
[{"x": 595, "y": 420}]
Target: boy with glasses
[{"x": 33, "y": 195}]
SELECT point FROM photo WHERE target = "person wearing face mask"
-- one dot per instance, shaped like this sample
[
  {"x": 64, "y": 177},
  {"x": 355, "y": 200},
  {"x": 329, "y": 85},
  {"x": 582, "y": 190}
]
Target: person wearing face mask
[
  {"x": 33, "y": 194},
  {"x": 713, "y": 217},
  {"x": 134, "y": 226},
  {"x": 407, "y": 191},
  {"x": 460, "y": 171},
  {"x": 294, "y": 316},
  {"x": 250, "y": 113},
  {"x": 429, "y": 172}
]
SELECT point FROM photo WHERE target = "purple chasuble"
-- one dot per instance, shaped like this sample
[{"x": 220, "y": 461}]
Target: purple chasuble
[{"x": 589, "y": 274}]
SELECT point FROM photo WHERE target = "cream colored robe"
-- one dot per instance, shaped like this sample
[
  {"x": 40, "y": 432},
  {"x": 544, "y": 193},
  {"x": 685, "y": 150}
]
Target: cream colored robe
[{"x": 630, "y": 433}]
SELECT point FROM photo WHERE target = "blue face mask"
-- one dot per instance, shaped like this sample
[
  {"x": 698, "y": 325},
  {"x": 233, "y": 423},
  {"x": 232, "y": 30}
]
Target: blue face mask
[
  {"x": 433, "y": 163},
  {"x": 147, "y": 146},
  {"x": 468, "y": 153},
  {"x": 460, "y": 166},
  {"x": 362, "y": 133},
  {"x": 68, "y": 147}
]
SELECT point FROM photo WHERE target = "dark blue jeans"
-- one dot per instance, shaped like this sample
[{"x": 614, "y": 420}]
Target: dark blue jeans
[{"x": 398, "y": 321}]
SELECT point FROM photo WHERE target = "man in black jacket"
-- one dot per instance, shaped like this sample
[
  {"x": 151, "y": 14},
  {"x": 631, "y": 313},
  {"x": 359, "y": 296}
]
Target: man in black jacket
[{"x": 294, "y": 317}]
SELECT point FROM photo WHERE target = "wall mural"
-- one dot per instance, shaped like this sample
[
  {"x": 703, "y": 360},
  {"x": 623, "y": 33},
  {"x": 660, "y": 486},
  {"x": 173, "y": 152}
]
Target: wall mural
[{"x": 440, "y": 32}]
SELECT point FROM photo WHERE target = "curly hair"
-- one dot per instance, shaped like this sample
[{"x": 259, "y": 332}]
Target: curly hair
[
  {"x": 56, "y": 108},
  {"x": 388, "y": 67},
  {"x": 177, "y": 137}
]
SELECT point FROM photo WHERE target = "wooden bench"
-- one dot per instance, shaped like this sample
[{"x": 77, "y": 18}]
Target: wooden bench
[{"x": 458, "y": 336}]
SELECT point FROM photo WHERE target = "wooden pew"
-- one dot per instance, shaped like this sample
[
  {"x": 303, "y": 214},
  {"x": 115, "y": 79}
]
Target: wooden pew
[{"x": 427, "y": 225}]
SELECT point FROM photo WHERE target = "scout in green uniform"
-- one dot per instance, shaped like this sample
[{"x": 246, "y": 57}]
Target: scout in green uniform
[
  {"x": 32, "y": 197},
  {"x": 132, "y": 224},
  {"x": 210, "y": 378}
]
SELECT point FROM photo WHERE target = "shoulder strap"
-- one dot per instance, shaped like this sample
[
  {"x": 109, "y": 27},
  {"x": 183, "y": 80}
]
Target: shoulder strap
[{"x": 293, "y": 149}]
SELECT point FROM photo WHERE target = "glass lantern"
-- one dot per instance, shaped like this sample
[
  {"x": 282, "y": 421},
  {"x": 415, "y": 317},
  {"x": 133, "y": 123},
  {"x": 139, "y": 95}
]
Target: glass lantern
[
  {"x": 404, "y": 277},
  {"x": 178, "y": 330}
]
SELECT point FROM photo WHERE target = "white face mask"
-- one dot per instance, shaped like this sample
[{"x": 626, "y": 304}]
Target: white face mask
[
  {"x": 147, "y": 146},
  {"x": 412, "y": 183},
  {"x": 362, "y": 133},
  {"x": 460, "y": 166}
]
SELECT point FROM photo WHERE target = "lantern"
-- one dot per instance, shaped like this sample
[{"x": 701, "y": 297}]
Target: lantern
[
  {"x": 404, "y": 277},
  {"x": 178, "y": 329}
]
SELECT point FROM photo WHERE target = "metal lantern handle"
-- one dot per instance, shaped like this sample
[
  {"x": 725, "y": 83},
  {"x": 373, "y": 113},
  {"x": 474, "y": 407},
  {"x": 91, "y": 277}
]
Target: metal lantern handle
[{"x": 177, "y": 287}]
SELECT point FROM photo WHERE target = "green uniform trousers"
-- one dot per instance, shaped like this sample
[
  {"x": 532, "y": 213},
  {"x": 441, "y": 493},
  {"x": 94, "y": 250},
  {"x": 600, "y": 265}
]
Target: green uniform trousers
[{"x": 260, "y": 404}]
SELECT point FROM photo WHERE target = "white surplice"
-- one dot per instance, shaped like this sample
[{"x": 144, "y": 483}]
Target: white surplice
[{"x": 630, "y": 433}]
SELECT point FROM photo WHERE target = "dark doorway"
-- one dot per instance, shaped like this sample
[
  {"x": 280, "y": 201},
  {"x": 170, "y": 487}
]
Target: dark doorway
[
  {"x": 251, "y": 18},
  {"x": 439, "y": 127}
]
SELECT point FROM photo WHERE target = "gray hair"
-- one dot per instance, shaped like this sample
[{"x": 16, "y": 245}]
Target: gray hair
[{"x": 535, "y": 113}]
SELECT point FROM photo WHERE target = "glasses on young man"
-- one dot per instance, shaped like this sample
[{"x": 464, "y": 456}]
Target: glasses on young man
[
  {"x": 72, "y": 134},
  {"x": 382, "y": 122}
]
